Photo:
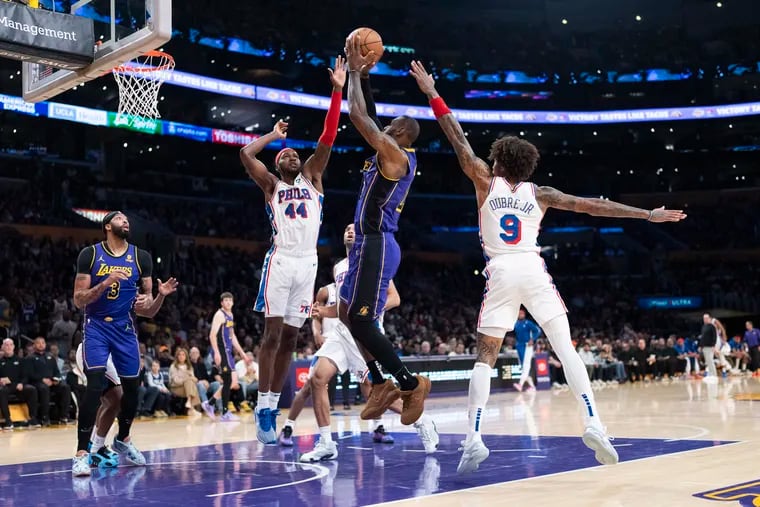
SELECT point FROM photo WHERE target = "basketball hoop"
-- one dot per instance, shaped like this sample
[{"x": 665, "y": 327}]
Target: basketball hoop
[{"x": 139, "y": 81}]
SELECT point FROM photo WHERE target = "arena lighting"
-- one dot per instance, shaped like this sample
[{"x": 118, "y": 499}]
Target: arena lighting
[
  {"x": 94, "y": 215},
  {"x": 298, "y": 99}
]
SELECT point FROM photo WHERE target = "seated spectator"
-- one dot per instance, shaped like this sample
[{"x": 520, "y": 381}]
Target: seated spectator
[
  {"x": 155, "y": 378},
  {"x": 589, "y": 359},
  {"x": 201, "y": 374},
  {"x": 248, "y": 377},
  {"x": 13, "y": 382},
  {"x": 44, "y": 375},
  {"x": 165, "y": 358},
  {"x": 182, "y": 381},
  {"x": 612, "y": 368},
  {"x": 739, "y": 353}
]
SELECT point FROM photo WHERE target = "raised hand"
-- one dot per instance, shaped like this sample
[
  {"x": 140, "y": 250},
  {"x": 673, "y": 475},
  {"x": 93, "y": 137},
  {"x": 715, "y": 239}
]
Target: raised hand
[
  {"x": 357, "y": 62},
  {"x": 168, "y": 287},
  {"x": 338, "y": 75},
  {"x": 424, "y": 80},
  {"x": 667, "y": 215},
  {"x": 280, "y": 129}
]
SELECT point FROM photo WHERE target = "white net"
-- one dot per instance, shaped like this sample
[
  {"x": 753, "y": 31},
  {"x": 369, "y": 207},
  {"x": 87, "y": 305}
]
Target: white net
[{"x": 139, "y": 82}]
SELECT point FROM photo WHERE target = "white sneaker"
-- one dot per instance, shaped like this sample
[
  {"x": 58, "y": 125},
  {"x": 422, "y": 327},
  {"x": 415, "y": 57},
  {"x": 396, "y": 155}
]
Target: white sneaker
[
  {"x": 428, "y": 435},
  {"x": 134, "y": 455},
  {"x": 598, "y": 441},
  {"x": 475, "y": 453},
  {"x": 80, "y": 466},
  {"x": 322, "y": 452}
]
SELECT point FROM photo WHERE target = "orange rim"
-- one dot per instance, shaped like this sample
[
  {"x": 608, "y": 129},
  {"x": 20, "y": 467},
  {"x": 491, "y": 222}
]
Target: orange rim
[{"x": 158, "y": 54}]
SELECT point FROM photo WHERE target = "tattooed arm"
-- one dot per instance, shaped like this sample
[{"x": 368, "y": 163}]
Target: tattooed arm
[
  {"x": 549, "y": 197},
  {"x": 475, "y": 168}
]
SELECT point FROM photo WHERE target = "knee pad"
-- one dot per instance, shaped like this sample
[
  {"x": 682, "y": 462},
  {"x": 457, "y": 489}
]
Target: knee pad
[{"x": 96, "y": 381}]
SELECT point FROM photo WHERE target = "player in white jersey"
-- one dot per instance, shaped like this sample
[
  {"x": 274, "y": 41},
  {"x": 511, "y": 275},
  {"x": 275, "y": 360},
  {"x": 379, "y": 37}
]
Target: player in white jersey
[
  {"x": 510, "y": 212},
  {"x": 338, "y": 353},
  {"x": 294, "y": 206}
]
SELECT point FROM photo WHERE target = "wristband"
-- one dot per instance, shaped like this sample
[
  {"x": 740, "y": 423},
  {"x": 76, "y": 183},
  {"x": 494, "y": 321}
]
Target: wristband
[{"x": 439, "y": 107}]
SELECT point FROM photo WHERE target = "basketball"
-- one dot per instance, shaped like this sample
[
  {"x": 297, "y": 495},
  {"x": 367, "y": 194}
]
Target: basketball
[{"x": 370, "y": 41}]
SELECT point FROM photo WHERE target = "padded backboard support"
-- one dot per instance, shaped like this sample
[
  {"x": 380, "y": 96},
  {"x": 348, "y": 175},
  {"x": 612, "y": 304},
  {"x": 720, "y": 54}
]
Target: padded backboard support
[{"x": 125, "y": 28}]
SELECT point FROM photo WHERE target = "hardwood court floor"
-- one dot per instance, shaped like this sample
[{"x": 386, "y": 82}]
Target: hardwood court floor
[{"x": 675, "y": 439}]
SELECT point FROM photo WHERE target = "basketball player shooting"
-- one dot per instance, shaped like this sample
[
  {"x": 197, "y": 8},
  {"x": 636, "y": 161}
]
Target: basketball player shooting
[
  {"x": 294, "y": 206},
  {"x": 375, "y": 255},
  {"x": 511, "y": 209},
  {"x": 109, "y": 275}
]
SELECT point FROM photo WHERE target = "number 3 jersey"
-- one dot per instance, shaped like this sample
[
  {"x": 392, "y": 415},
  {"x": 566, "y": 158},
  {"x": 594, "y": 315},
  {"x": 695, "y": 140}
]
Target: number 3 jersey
[
  {"x": 510, "y": 219},
  {"x": 295, "y": 213},
  {"x": 118, "y": 299}
]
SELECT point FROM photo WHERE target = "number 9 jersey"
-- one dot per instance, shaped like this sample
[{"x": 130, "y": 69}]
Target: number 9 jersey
[
  {"x": 516, "y": 275},
  {"x": 510, "y": 219}
]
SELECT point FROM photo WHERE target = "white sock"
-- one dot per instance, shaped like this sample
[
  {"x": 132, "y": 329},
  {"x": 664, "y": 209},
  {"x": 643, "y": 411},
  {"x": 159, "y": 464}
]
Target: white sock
[
  {"x": 97, "y": 443},
  {"x": 291, "y": 423},
  {"x": 480, "y": 388},
  {"x": 558, "y": 332},
  {"x": 94, "y": 434},
  {"x": 324, "y": 434},
  {"x": 263, "y": 401},
  {"x": 424, "y": 420},
  {"x": 274, "y": 400}
]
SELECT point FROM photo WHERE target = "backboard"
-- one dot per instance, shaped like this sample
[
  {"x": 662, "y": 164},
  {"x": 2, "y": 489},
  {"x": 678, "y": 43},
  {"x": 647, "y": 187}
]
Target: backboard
[{"x": 125, "y": 29}]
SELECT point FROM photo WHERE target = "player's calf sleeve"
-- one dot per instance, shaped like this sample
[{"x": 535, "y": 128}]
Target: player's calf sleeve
[
  {"x": 558, "y": 332},
  {"x": 480, "y": 389},
  {"x": 226, "y": 390},
  {"x": 130, "y": 388},
  {"x": 88, "y": 409},
  {"x": 381, "y": 349}
]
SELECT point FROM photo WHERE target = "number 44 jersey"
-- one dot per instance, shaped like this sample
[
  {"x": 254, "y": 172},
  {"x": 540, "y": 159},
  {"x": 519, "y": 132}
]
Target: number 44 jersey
[
  {"x": 295, "y": 213},
  {"x": 510, "y": 219}
]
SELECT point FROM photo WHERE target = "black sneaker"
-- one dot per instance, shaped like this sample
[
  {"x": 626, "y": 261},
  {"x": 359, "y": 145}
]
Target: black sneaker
[
  {"x": 34, "y": 423},
  {"x": 346, "y": 406},
  {"x": 7, "y": 426}
]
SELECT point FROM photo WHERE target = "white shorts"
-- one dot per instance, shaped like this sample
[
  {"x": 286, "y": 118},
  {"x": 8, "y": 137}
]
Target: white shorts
[
  {"x": 341, "y": 349},
  {"x": 513, "y": 280},
  {"x": 110, "y": 368},
  {"x": 287, "y": 287}
]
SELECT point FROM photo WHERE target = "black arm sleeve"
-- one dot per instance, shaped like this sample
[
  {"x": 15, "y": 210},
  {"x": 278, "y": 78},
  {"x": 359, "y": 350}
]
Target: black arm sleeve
[
  {"x": 146, "y": 263},
  {"x": 370, "y": 102},
  {"x": 85, "y": 260}
]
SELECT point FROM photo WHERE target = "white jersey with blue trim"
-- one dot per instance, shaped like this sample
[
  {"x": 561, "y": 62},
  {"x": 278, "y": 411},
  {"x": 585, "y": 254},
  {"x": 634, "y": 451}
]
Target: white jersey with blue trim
[
  {"x": 295, "y": 213},
  {"x": 510, "y": 219}
]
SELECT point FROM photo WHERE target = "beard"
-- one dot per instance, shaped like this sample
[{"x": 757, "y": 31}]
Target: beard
[{"x": 119, "y": 232}]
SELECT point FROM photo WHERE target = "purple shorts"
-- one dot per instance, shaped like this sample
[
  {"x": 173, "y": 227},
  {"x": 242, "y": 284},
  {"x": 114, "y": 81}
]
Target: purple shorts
[{"x": 372, "y": 264}]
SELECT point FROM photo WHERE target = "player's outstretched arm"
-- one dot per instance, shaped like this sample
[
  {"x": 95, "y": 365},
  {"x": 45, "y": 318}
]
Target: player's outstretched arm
[
  {"x": 255, "y": 167},
  {"x": 475, "y": 168},
  {"x": 317, "y": 163},
  {"x": 395, "y": 161},
  {"x": 549, "y": 197}
]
